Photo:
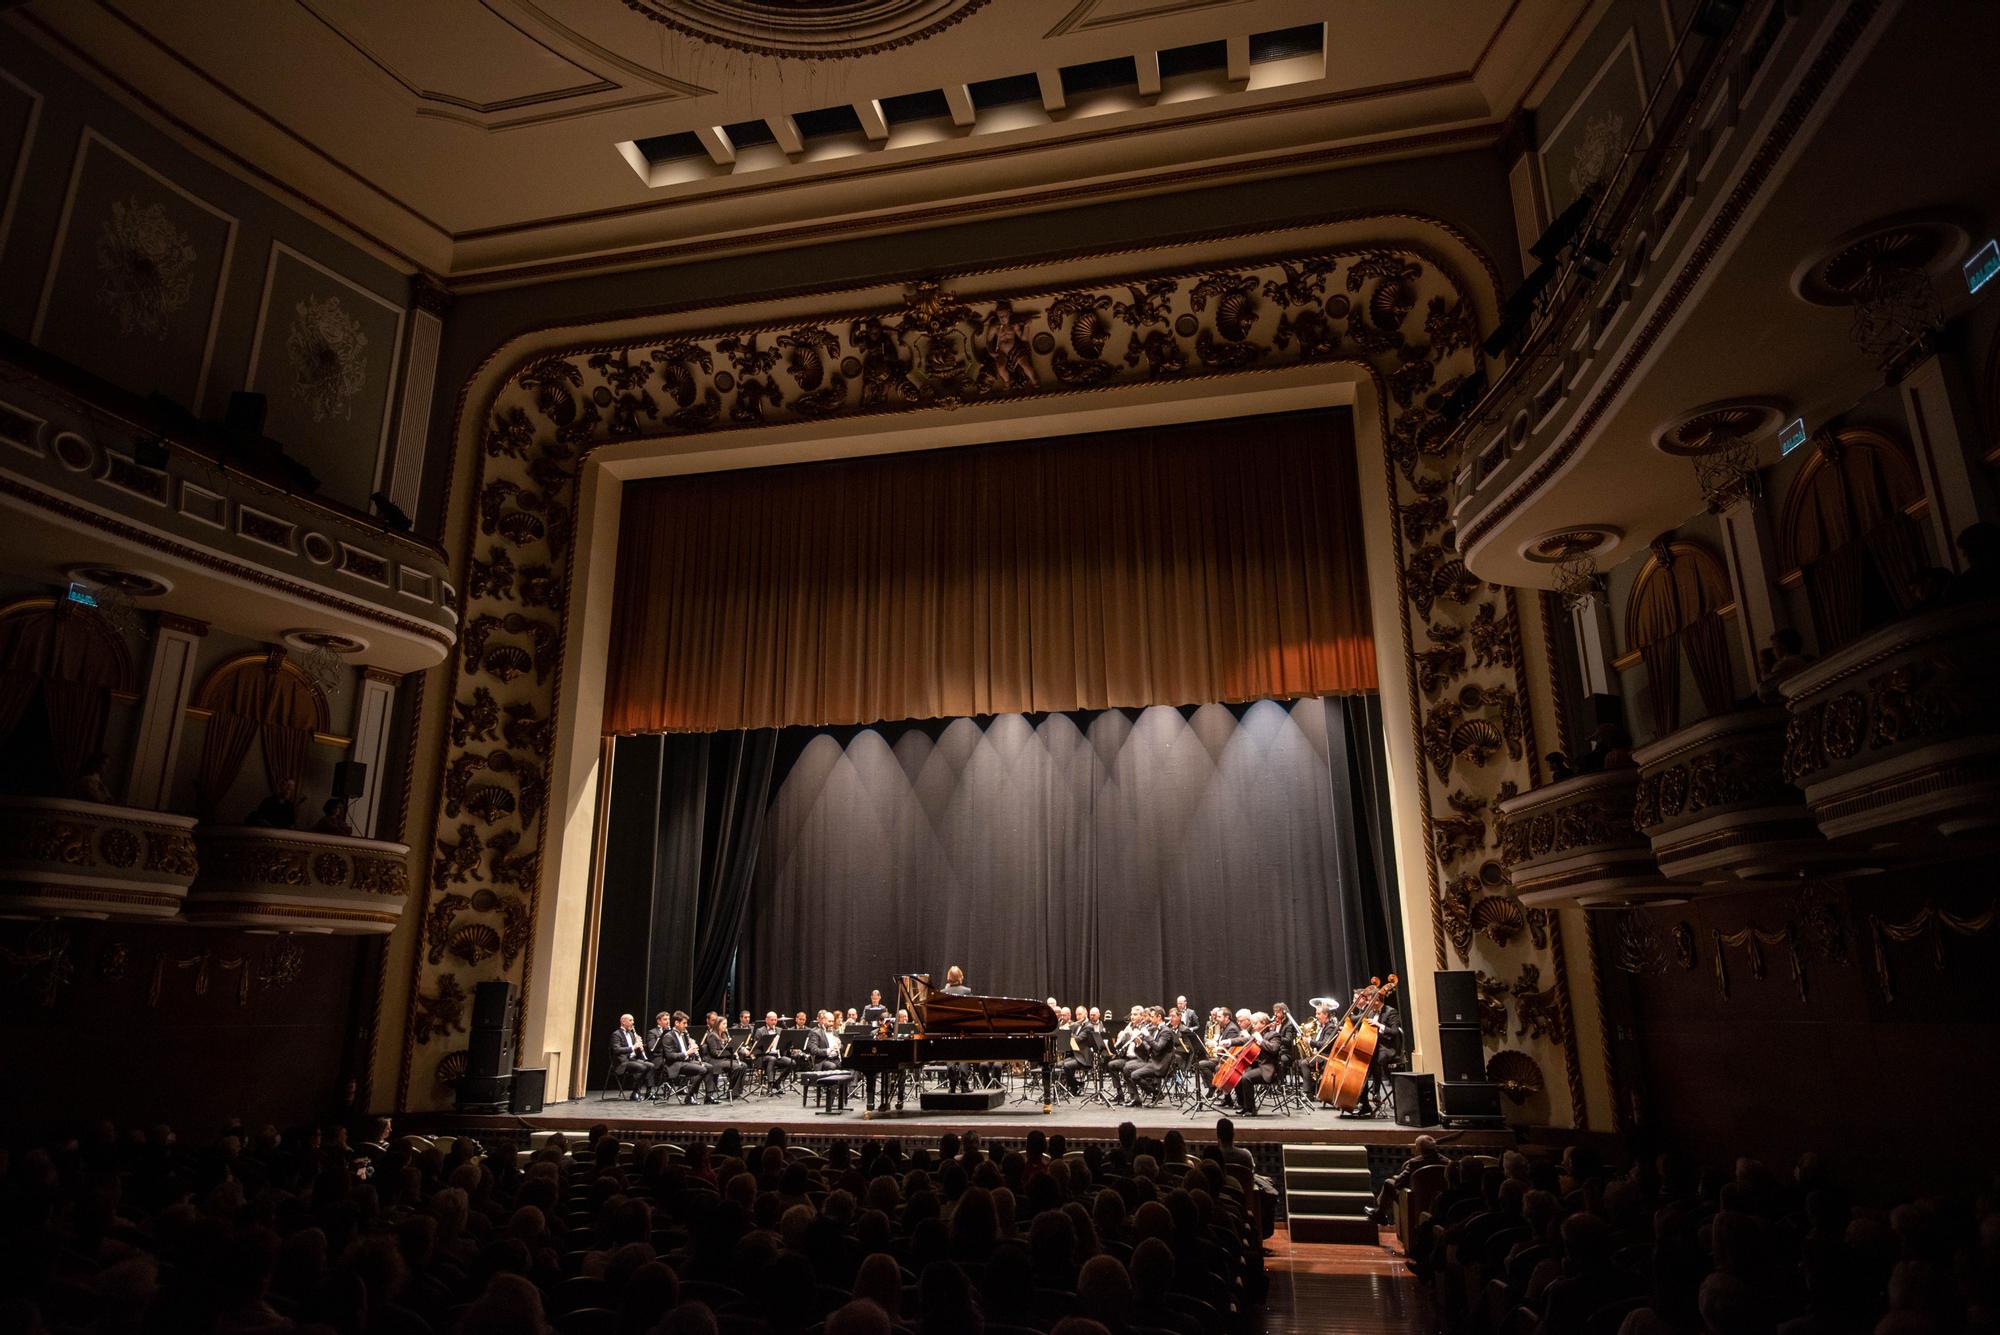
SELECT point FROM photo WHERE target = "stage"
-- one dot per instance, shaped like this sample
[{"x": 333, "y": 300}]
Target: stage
[{"x": 672, "y": 1120}]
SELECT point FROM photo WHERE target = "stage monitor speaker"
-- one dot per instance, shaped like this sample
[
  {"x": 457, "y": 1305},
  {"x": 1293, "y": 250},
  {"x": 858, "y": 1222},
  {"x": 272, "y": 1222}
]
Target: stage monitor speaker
[
  {"x": 1458, "y": 998},
  {"x": 483, "y": 1093},
  {"x": 971, "y": 1100},
  {"x": 1469, "y": 1103},
  {"x": 529, "y": 1087},
  {"x": 493, "y": 1005},
  {"x": 489, "y": 1053},
  {"x": 1416, "y": 1098},
  {"x": 1464, "y": 1053},
  {"x": 350, "y": 777}
]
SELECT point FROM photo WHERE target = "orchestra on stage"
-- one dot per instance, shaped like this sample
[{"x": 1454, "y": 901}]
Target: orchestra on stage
[{"x": 962, "y": 1044}]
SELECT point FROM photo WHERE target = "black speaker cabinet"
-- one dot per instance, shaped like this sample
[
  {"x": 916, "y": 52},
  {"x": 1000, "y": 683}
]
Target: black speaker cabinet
[
  {"x": 483, "y": 1093},
  {"x": 1471, "y": 1103},
  {"x": 493, "y": 1005},
  {"x": 489, "y": 1053},
  {"x": 1416, "y": 1098},
  {"x": 350, "y": 777},
  {"x": 1464, "y": 1054},
  {"x": 1458, "y": 998},
  {"x": 529, "y": 1088}
]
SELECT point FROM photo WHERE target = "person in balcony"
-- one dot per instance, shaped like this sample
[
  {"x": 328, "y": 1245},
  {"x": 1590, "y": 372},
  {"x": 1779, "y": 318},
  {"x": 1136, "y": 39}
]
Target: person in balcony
[
  {"x": 1788, "y": 655},
  {"x": 279, "y": 811},
  {"x": 90, "y": 785},
  {"x": 333, "y": 817}
]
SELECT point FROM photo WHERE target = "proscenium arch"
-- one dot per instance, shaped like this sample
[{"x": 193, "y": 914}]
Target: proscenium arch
[{"x": 555, "y": 974}]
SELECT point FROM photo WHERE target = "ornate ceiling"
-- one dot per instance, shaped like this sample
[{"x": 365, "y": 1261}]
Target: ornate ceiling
[{"x": 498, "y": 140}]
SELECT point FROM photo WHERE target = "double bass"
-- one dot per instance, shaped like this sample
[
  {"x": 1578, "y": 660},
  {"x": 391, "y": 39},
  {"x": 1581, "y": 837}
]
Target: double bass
[
  {"x": 1353, "y": 1050},
  {"x": 1232, "y": 1068}
]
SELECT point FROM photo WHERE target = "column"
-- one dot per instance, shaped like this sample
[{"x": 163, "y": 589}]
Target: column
[
  {"x": 373, "y": 715},
  {"x": 1591, "y": 624},
  {"x": 405, "y": 478},
  {"x": 176, "y": 640},
  {"x": 1748, "y": 546},
  {"x": 1944, "y": 435}
]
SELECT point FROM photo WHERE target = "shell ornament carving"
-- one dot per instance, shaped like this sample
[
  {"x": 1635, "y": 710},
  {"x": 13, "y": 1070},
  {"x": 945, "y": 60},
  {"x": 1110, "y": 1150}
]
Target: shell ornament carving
[{"x": 1518, "y": 1075}]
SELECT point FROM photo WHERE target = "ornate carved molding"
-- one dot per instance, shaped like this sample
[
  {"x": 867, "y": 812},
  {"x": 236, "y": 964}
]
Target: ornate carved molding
[
  {"x": 88, "y": 859},
  {"x": 1901, "y": 729},
  {"x": 253, "y": 877}
]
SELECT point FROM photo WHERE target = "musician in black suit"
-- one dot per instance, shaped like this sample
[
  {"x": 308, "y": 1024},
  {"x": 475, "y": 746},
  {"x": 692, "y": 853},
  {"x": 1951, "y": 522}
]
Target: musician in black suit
[
  {"x": 719, "y": 1056},
  {"x": 958, "y": 1077},
  {"x": 679, "y": 1056},
  {"x": 874, "y": 1012},
  {"x": 1267, "y": 1068},
  {"x": 764, "y": 1047},
  {"x": 1218, "y": 1038},
  {"x": 1326, "y": 1031},
  {"x": 628, "y": 1058},
  {"x": 823, "y": 1044},
  {"x": 663, "y": 1025},
  {"x": 1125, "y": 1050},
  {"x": 1188, "y": 1017},
  {"x": 1078, "y": 1042},
  {"x": 1158, "y": 1053}
]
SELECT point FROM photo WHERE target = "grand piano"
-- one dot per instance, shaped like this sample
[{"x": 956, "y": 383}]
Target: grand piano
[{"x": 958, "y": 1030}]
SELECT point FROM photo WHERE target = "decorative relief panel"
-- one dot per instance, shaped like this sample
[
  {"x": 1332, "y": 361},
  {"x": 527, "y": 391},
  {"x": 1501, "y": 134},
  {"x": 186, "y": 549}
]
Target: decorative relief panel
[
  {"x": 89, "y": 859},
  {"x": 293, "y": 880},
  {"x": 1395, "y": 312}
]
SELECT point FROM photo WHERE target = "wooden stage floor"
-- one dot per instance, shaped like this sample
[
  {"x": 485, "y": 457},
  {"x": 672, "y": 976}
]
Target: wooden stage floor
[{"x": 667, "y": 1118}]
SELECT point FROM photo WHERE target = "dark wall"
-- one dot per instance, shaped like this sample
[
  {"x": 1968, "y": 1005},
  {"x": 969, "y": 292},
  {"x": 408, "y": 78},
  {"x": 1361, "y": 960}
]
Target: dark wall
[
  {"x": 159, "y": 1023},
  {"x": 1877, "y": 1075},
  {"x": 1468, "y": 190}
]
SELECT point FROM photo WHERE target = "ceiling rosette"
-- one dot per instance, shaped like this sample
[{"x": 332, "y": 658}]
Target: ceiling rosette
[{"x": 808, "y": 29}]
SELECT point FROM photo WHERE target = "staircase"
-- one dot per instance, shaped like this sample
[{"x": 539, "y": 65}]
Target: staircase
[{"x": 1328, "y": 1193}]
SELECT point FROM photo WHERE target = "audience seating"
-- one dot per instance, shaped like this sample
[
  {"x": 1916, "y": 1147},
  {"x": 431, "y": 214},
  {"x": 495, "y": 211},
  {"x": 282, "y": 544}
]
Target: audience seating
[{"x": 254, "y": 1231}]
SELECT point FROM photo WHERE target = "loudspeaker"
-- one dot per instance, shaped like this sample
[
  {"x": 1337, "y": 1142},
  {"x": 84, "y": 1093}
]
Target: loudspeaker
[
  {"x": 1416, "y": 1098},
  {"x": 489, "y": 1053},
  {"x": 493, "y": 1005},
  {"x": 482, "y": 1093},
  {"x": 1458, "y": 998},
  {"x": 349, "y": 778},
  {"x": 245, "y": 417},
  {"x": 971, "y": 1100},
  {"x": 530, "y": 1084},
  {"x": 1468, "y": 1102},
  {"x": 1463, "y": 1052}
]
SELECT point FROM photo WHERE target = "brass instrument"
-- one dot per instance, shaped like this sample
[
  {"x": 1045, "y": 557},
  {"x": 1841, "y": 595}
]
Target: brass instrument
[{"x": 1307, "y": 1033}]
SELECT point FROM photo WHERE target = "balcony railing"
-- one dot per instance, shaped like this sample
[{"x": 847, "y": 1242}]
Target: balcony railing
[
  {"x": 92, "y": 473},
  {"x": 65, "y": 858},
  {"x": 1574, "y": 843},
  {"x": 298, "y": 880},
  {"x": 1714, "y": 801},
  {"x": 1672, "y": 167},
  {"x": 1895, "y": 738}
]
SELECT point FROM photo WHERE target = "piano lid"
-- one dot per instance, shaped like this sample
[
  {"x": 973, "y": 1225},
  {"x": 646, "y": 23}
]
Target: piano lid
[{"x": 940, "y": 1013}]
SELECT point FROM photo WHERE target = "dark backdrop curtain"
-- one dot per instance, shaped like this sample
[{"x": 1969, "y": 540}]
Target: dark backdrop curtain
[
  {"x": 1363, "y": 841},
  {"x": 1107, "y": 857},
  {"x": 684, "y": 826}
]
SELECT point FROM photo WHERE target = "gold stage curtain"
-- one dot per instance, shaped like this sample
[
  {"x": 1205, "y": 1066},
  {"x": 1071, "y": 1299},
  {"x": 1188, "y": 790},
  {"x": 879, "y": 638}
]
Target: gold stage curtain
[{"x": 1184, "y": 565}]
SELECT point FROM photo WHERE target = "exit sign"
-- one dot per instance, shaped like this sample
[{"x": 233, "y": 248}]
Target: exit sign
[
  {"x": 1985, "y": 262},
  {"x": 1792, "y": 436}
]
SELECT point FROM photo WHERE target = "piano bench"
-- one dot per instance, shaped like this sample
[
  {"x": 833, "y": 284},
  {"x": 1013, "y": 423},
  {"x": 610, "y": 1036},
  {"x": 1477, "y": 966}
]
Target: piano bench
[{"x": 833, "y": 1087}]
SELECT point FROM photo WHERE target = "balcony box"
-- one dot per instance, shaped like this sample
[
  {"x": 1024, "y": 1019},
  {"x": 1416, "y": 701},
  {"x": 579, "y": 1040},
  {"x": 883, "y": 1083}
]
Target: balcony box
[
  {"x": 1574, "y": 843},
  {"x": 1714, "y": 800},
  {"x": 64, "y": 858},
  {"x": 298, "y": 881},
  {"x": 1895, "y": 738}
]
